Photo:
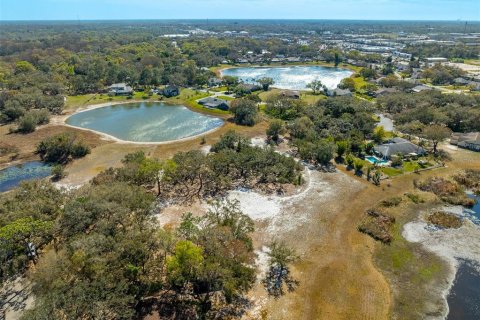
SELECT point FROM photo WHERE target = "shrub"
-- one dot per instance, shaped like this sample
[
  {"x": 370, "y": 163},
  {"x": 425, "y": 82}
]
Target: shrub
[
  {"x": 350, "y": 161},
  {"x": 391, "y": 202},
  {"x": 358, "y": 166},
  {"x": 29, "y": 121},
  {"x": 397, "y": 161},
  {"x": 445, "y": 220},
  {"x": 60, "y": 148},
  {"x": 415, "y": 198},
  {"x": 58, "y": 172},
  {"x": 26, "y": 124},
  {"x": 275, "y": 129},
  {"x": 79, "y": 150}
]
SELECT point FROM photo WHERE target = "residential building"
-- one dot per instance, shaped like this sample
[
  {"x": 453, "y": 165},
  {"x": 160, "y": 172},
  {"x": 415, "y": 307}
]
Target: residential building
[
  {"x": 214, "y": 103},
  {"x": 397, "y": 146},
  {"x": 119, "y": 89},
  {"x": 171, "y": 91},
  {"x": 469, "y": 140}
]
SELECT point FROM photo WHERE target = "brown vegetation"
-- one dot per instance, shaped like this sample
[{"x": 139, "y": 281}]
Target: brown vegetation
[
  {"x": 445, "y": 220},
  {"x": 469, "y": 178},
  {"x": 446, "y": 190},
  {"x": 377, "y": 225}
]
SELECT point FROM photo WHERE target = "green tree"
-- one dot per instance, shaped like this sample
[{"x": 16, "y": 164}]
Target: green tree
[
  {"x": 347, "y": 83},
  {"x": 265, "y": 82},
  {"x": 379, "y": 134},
  {"x": 278, "y": 276},
  {"x": 185, "y": 264},
  {"x": 316, "y": 86},
  {"x": 23, "y": 67},
  {"x": 436, "y": 134},
  {"x": 275, "y": 129},
  {"x": 245, "y": 112}
]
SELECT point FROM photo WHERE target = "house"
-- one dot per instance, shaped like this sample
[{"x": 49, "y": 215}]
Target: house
[
  {"x": 246, "y": 88},
  {"x": 397, "y": 146},
  {"x": 214, "y": 82},
  {"x": 384, "y": 91},
  {"x": 119, "y": 89},
  {"x": 461, "y": 81},
  {"x": 339, "y": 93},
  {"x": 421, "y": 88},
  {"x": 292, "y": 94},
  {"x": 214, "y": 103},
  {"x": 433, "y": 61},
  {"x": 469, "y": 140},
  {"x": 171, "y": 91}
]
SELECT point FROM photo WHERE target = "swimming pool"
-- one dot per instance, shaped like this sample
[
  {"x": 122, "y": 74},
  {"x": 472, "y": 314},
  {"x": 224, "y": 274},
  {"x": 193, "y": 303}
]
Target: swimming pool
[{"x": 375, "y": 160}]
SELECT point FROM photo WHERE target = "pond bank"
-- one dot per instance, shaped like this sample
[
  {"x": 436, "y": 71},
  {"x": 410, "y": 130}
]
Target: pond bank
[{"x": 149, "y": 123}]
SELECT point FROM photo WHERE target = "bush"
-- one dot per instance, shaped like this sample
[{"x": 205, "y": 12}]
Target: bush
[
  {"x": 58, "y": 172},
  {"x": 397, "y": 161},
  {"x": 29, "y": 121},
  {"x": 445, "y": 220},
  {"x": 79, "y": 150},
  {"x": 350, "y": 161},
  {"x": 26, "y": 124},
  {"x": 391, "y": 202},
  {"x": 60, "y": 148}
]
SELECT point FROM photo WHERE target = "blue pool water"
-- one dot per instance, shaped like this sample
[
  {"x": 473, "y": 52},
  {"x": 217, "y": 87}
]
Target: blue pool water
[
  {"x": 291, "y": 77},
  {"x": 145, "y": 121},
  {"x": 375, "y": 160},
  {"x": 12, "y": 176}
]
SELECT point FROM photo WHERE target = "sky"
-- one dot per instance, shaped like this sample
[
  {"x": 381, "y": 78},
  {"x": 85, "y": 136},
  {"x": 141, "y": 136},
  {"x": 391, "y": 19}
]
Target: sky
[{"x": 467, "y": 10}]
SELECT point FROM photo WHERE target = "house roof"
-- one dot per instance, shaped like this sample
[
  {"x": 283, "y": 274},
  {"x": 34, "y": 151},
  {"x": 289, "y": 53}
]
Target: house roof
[
  {"x": 459, "y": 138},
  {"x": 212, "y": 102},
  {"x": 421, "y": 88},
  {"x": 339, "y": 92},
  {"x": 398, "y": 146},
  {"x": 290, "y": 93}
]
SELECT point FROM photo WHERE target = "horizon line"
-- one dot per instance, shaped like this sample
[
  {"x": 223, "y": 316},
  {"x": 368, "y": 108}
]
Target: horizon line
[{"x": 234, "y": 19}]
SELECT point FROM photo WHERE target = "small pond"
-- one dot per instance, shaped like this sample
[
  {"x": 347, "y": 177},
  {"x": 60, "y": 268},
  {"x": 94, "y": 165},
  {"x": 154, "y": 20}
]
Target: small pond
[
  {"x": 145, "y": 121},
  {"x": 291, "y": 77},
  {"x": 12, "y": 176}
]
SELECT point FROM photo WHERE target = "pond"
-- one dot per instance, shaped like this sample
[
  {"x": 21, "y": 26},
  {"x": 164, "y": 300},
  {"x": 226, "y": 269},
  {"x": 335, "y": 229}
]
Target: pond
[
  {"x": 464, "y": 297},
  {"x": 145, "y": 122},
  {"x": 12, "y": 176},
  {"x": 292, "y": 77}
]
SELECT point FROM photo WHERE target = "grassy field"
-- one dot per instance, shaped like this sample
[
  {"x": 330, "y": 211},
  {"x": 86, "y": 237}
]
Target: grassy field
[
  {"x": 187, "y": 97},
  {"x": 74, "y": 102}
]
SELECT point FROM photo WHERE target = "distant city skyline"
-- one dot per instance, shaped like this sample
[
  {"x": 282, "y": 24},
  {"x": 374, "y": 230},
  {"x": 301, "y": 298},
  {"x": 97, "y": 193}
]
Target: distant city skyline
[{"x": 468, "y": 10}]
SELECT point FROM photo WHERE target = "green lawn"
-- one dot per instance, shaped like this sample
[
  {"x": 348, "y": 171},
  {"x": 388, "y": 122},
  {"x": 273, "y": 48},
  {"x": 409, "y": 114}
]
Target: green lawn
[
  {"x": 408, "y": 166},
  {"x": 225, "y": 98},
  {"x": 189, "y": 97},
  {"x": 74, "y": 102}
]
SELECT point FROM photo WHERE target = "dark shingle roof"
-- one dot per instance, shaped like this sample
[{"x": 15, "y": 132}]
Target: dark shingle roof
[{"x": 398, "y": 146}]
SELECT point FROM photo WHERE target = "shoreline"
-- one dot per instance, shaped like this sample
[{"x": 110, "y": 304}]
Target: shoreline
[
  {"x": 219, "y": 72},
  {"x": 61, "y": 120},
  {"x": 444, "y": 243}
]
